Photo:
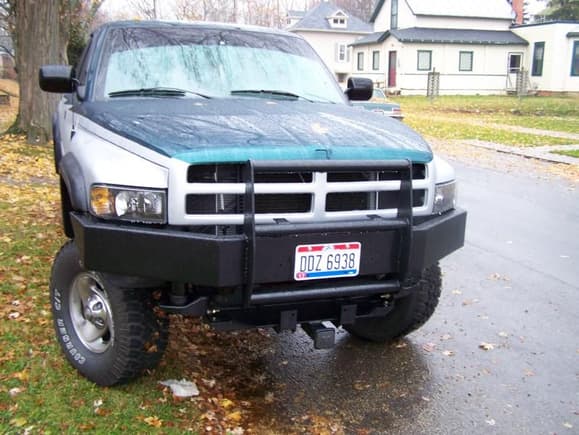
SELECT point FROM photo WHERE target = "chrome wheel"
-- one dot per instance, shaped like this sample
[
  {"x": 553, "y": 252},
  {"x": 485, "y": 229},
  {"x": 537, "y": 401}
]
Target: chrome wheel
[{"x": 90, "y": 313}]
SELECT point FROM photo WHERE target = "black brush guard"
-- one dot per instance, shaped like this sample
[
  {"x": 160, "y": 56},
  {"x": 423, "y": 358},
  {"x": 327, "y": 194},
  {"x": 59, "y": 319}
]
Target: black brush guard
[{"x": 402, "y": 224}]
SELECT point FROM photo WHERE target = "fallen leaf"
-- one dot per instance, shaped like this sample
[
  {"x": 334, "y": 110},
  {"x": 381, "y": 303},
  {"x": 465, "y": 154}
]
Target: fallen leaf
[
  {"x": 429, "y": 347},
  {"x": 469, "y": 302},
  {"x": 446, "y": 337},
  {"x": 486, "y": 346},
  {"x": 568, "y": 425},
  {"x": 153, "y": 421},
  {"x": 403, "y": 344},
  {"x": 491, "y": 421},
  {"x": 234, "y": 416},
  {"x": 456, "y": 292},
  {"x": 448, "y": 353},
  {"x": 503, "y": 334},
  {"x": 226, "y": 403},
  {"x": 18, "y": 422},
  {"x": 529, "y": 372},
  {"x": 21, "y": 376},
  {"x": 498, "y": 277},
  {"x": 269, "y": 397},
  {"x": 360, "y": 386},
  {"x": 101, "y": 412},
  {"x": 209, "y": 382}
]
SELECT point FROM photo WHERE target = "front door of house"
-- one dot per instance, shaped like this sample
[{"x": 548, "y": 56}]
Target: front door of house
[{"x": 391, "y": 69}]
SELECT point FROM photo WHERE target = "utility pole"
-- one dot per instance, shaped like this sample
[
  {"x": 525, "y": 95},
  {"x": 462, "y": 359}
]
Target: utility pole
[{"x": 155, "y": 10}]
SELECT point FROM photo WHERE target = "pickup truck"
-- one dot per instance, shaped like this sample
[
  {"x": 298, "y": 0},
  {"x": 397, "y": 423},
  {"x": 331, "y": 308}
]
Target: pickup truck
[{"x": 218, "y": 171}]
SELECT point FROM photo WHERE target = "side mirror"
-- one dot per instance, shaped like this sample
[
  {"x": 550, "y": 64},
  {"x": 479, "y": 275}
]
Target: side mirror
[
  {"x": 359, "y": 89},
  {"x": 56, "y": 78}
]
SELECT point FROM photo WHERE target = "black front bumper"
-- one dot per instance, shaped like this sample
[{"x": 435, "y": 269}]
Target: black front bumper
[{"x": 221, "y": 261}]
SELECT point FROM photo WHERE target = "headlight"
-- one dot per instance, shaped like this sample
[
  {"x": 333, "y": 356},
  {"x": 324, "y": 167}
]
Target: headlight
[
  {"x": 135, "y": 205},
  {"x": 444, "y": 197}
]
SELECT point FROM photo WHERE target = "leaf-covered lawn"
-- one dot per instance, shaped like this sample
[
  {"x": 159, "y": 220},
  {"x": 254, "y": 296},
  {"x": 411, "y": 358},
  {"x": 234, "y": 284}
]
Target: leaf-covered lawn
[
  {"x": 448, "y": 128},
  {"x": 529, "y": 106},
  {"x": 38, "y": 390},
  {"x": 570, "y": 153},
  {"x": 476, "y": 117}
]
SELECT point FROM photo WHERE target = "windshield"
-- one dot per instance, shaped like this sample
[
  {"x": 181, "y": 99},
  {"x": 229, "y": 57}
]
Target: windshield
[
  {"x": 378, "y": 93},
  {"x": 214, "y": 63}
]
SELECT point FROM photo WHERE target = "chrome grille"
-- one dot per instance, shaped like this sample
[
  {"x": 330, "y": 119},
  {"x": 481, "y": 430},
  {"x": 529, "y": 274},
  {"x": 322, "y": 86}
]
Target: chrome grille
[{"x": 215, "y": 194}]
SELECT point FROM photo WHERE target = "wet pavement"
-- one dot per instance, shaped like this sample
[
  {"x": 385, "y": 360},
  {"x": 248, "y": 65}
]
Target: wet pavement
[{"x": 500, "y": 354}]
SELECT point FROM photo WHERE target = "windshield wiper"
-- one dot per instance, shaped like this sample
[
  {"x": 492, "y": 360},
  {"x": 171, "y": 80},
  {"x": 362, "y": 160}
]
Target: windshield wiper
[
  {"x": 269, "y": 92},
  {"x": 155, "y": 92}
]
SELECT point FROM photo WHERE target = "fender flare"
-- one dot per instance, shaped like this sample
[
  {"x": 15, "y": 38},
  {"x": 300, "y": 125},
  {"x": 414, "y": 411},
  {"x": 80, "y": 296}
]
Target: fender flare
[
  {"x": 56, "y": 141},
  {"x": 71, "y": 173}
]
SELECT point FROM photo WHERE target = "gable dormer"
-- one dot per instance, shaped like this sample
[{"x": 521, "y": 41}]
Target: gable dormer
[{"x": 338, "y": 20}]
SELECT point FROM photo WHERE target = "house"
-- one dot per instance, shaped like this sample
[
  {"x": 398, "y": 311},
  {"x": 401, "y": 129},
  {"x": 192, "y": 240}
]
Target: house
[
  {"x": 6, "y": 56},
  {"x": 292, "y": 17},
  {"x": 330, "y": 30},
  {"x": 552, "y": 57},
  {"x": 468, "y": 42}
]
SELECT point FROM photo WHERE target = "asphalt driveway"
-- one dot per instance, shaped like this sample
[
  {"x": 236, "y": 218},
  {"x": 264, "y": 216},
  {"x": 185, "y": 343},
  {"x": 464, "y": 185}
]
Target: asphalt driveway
[{"x": 500, "y": 355}]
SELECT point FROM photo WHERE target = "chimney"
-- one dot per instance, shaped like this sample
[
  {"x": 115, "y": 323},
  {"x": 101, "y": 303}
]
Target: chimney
[{"x": 518, "y": 6}]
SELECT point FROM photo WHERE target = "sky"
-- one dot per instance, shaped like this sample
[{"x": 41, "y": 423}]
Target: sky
[{"x": 115, "y": 7}]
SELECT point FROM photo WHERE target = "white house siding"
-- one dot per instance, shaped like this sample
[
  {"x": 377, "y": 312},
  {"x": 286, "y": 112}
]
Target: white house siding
[
  {"x": 406, "y": 18},
  {"x": 379, "y": 76},
  {"x": 556, "y": 76},
  {"x": 461, "y": 23},
  {"x": 325, "y": 44},
  {"x": 488, "y": 75}
]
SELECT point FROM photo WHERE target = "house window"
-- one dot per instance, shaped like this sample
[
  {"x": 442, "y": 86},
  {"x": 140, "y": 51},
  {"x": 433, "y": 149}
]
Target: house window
[
  {"x": 424, "y": 60},
  {"x": 360, "y": 61},
  {"x": 515, "y": 62},
  {"x": 394, "y": 14},
  {"x": 575, "y": 59},
  {"x": 375, "y": 60},
  {"x": 342, "y": 53},
  {"x": 538, "y": 54},
  {"x": 465, "y": 60}
]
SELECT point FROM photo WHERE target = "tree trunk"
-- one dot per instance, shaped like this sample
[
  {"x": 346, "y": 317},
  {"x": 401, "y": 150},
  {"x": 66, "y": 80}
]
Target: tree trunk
[{"x": 40, "y": 39}]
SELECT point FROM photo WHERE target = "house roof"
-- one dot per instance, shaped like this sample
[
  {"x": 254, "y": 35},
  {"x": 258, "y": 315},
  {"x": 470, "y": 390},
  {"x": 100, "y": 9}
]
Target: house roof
[
  {"x": 548, "y": 23},
  {"x": 6, "y": 44},
  {"x": 316, "y": 19},
  {"x": 493, "y": 9},
  {"x": 423, "y": 35},
  {"x": 458, "y": 36},
  {"x": 372, "y": 38}
]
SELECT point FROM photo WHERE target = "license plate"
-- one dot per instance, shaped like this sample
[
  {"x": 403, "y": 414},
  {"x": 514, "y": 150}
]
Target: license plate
[{"x": 328, "y": 260}]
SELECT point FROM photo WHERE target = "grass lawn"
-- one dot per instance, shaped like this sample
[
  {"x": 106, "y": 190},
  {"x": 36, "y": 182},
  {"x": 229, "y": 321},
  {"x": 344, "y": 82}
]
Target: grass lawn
[
  {"x": 472, "y": 117},
  {"x": 570, "y": 153},
  {"x": 39, "y": 391}
]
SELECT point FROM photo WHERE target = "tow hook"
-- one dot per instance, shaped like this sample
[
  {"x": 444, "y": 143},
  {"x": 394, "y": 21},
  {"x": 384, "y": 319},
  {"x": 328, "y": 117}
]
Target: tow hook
[{"x": 324, "y": 337}]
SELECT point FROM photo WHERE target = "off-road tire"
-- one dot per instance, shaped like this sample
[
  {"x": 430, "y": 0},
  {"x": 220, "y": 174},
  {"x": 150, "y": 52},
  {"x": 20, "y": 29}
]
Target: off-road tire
[
  {"x": 134, "y": 336},
  {"x": 408, "y": 313}
]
